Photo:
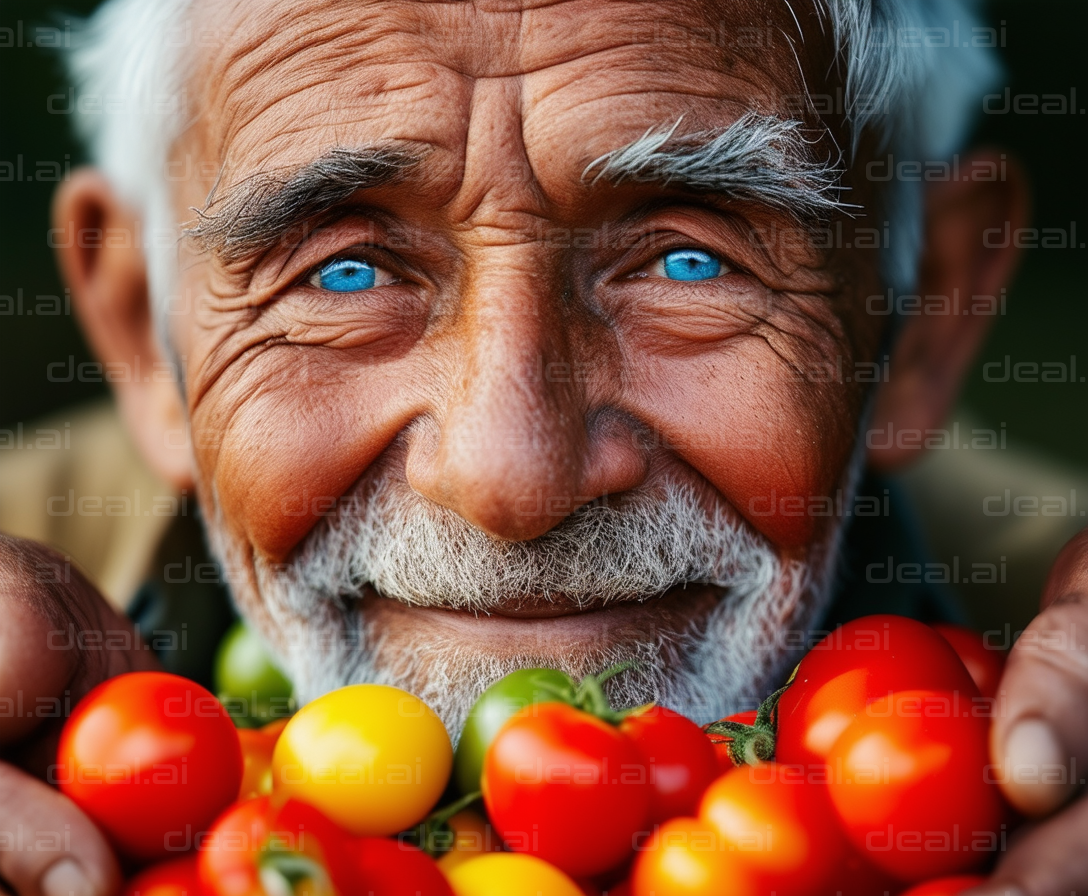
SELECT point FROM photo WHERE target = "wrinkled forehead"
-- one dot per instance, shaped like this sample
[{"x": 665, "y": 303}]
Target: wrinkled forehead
[{"x": 567, "y": 81}]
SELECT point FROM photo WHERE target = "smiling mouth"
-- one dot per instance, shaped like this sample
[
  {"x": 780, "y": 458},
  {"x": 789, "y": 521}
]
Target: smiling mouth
[{"x": 674, "y": 609}]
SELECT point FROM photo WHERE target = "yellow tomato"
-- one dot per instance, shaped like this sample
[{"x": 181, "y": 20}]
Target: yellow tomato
[
  {"x": 373, "y": 758},
  {"x": 472, "y": 837},
  {"x": 510, "y": 874}
]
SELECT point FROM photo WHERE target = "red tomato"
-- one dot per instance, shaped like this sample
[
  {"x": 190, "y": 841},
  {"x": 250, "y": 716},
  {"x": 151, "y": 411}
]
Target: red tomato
[
  {"x": 946, "y": 886},
  {"x": 856, "y": 876},
  {"x": 679, "y": 757},
  {"x": 392, "y": 868},
  {"x": 721, "y": 742},
  {"x": 255, "y": 838},
  {"x": 565, "y": 786},
  {"x": 858, "y": 663},
  {"x": 776, "y": 824},
  {"x": 257, "y": 748},
  {"x": 984, "y": 663},
  {"x": 910, "y": 788},
  {"x": 688, "y": 857},
  {"x": 177, "y": 877},
  {"x": 151, "y": 757}
]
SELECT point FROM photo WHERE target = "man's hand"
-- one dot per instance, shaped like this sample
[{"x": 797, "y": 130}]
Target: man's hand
[
  {"x": 1040, "y": 739},
  {"x": 47, "y": 846}
]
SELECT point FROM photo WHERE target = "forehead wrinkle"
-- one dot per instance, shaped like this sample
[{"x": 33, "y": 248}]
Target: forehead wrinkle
[{"x": 429, "y": 47}]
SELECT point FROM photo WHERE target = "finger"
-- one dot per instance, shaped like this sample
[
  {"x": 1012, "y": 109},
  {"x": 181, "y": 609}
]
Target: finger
[
  {"x": 58, "y": 640},
  {"x": 1039, "y": 739},
  {"x": 51, "y": 848},
  {"x": 1069, "y": 574},
  {"x": 1049, "y": 860}
]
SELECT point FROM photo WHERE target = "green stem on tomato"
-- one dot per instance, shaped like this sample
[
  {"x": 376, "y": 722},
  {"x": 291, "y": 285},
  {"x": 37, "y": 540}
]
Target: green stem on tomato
[
  {"x": 755, "y": 743},
  {"x": 425, "y": 834}
]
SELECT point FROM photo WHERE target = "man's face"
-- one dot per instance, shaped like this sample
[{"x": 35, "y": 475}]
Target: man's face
[{"x": 485, "y": 350}]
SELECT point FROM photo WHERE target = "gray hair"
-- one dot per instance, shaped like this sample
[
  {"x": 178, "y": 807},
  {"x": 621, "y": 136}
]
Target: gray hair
[{"x": 914, "y": 95}]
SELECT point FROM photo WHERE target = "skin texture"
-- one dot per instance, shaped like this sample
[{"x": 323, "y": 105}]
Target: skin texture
[{"x": 290, "y": 394}]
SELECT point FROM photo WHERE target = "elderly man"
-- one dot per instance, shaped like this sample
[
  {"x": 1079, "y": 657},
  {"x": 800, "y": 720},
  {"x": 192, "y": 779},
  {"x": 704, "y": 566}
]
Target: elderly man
[{"x": 519, "y": 333}]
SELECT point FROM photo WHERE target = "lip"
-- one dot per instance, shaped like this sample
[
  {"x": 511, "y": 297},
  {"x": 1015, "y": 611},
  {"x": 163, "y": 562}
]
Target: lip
[{"x": 673, "y": 610}]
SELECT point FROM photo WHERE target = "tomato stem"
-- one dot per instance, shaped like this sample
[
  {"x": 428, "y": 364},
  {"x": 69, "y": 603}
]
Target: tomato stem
[
  {"x": 752, "y": 744},
  {"x": 433, "y": 835},
  {"x": 590, "y": 696}
]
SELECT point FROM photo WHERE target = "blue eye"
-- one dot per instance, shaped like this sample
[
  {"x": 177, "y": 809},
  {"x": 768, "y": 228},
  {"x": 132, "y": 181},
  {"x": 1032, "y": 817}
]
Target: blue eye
[
  {"x": 345, "y": 275},
  {"x": 690, "y": 264}
]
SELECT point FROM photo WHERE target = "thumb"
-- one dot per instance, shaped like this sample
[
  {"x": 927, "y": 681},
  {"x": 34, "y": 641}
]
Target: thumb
[{"x": 1039, "y": 739}]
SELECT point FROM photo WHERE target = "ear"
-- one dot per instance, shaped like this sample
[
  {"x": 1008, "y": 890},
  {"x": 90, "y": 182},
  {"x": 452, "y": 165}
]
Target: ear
[
  {"x": 934, "y": 351},
  {"x": 107, "y": 273}
]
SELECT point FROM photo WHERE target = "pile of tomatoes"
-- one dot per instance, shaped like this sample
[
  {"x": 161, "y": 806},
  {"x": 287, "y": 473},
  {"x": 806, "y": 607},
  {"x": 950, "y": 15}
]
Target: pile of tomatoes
[{"x": 867, "y": 774}]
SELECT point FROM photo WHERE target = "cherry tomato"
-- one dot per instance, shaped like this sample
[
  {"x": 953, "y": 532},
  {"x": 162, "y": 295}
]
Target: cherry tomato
[
  {"x": 472, "y": 836},
  {"x": 946, "y": 886},
  {"x": 392, "y": 868},
  {"x": 256, "y": 847},
  {"x": 564, "y": 785},
  {"x": 984, "y": 663},
  {"x": 721, "y": 742},
  {"x": 373, "y": 758},
  {"x": 258, "y": 745},
  {"x": 688, "y": 857},
  {"x": 858, "y": 663},
  {"x": 247, "y": 680},
  {"x": 857, "y": 876},
  {"x": 679, "y": 758},
  {"x": 775, "y": 823},
  {"x": 177, "y": 877},
  {"x": 257, "y": 748},
  {"x": 149, "y": 756},
  {"x": 910, "y": 787},
  {"x": 490, "y": 712},
  {"x": 510, "y": 874}
]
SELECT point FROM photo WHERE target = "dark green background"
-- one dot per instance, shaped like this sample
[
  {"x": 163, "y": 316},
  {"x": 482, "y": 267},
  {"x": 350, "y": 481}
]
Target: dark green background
[{"x": 1047, "y": 315}]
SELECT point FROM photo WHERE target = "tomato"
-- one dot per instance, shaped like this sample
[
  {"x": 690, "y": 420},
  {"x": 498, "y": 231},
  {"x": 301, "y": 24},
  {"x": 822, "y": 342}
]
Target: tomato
[
  {"x": 490, "y": 712},
  {"x": 149, "y": 756},
  {"x": 774, "y": 823},
  {"x": 946, "y": 886},
  {"x": 858, "y": 663},
  {"x": 373, "y": 758},
  {"x": 510, "y": 874},
  {"x": 256, "y": 847},
  {"x": 248, "y": 681},
  {"x": 566, "y": 786},
  {"x": 177, "y": 877},
  {"x": 721, "y": 742},
  {"x": 984, "y": 663},
  {"x": 679, "y": 757},
  {"x": 258, "y": 745},
  {"x": 688, "y": 857},
  {"x": 257, "y": 750},
  {"x": 392, "y": 868},
  {"x": 857, "y": 876},
  {"x": 909, "y": 786},
  {"x": 471, "y": 836}
]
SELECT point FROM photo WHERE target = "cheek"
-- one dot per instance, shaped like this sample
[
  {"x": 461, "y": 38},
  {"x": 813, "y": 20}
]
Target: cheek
[
  {"x": 773, "y": 444},
  {"x": 290, "y": 436}
]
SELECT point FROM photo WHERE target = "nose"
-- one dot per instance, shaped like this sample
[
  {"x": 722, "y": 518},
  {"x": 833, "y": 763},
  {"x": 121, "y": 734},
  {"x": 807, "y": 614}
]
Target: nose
[{"x": 518, "y": 444}]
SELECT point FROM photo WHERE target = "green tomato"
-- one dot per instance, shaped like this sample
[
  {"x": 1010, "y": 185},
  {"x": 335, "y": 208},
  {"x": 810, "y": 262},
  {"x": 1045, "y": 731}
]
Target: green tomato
[
  {"x": 491, "y": 710},
  {"x": 247, "y": 681}
]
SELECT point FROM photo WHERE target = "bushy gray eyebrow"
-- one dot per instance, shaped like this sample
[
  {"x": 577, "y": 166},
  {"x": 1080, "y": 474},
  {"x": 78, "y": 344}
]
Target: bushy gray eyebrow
[
  {"x": 757, "y": 158},
  {"x": 255, "y": 214}
]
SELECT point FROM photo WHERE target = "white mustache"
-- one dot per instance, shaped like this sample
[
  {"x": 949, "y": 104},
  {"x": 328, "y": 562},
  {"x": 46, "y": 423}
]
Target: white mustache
[{"x": 631, "y": 548}]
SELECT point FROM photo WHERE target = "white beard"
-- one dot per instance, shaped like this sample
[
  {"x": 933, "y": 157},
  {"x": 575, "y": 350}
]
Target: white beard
[{"x": 386, "y": 537}]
